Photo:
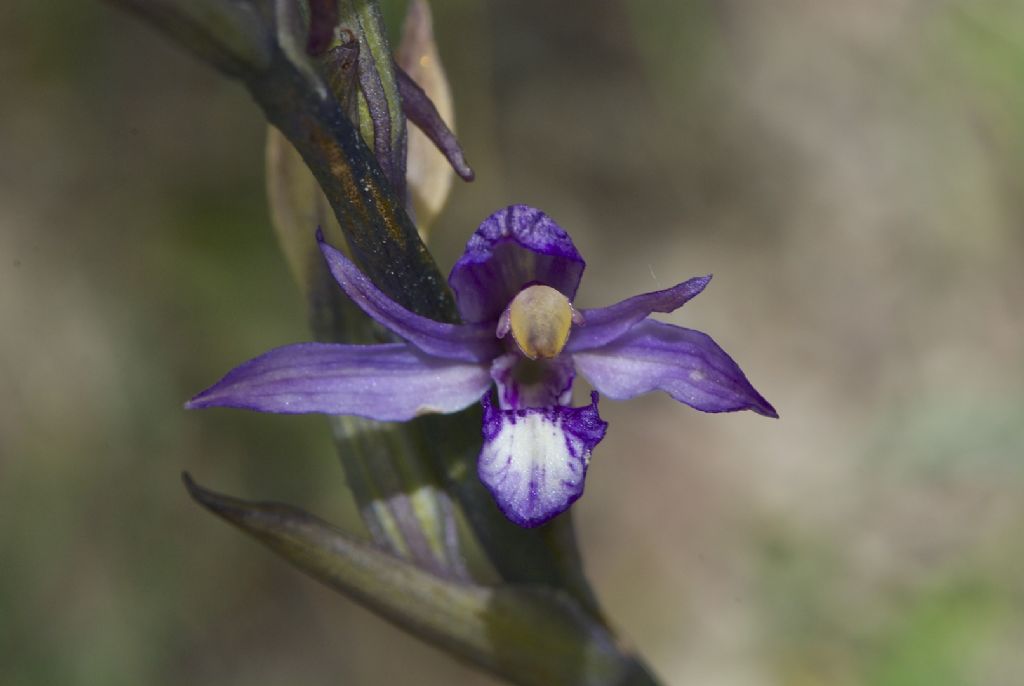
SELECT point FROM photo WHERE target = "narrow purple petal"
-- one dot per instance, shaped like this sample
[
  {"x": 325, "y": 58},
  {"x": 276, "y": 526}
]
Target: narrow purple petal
[
  {"x": 534, "y": 460},
  {"x": 686, "y": 364},
  {"x": 532, "y": 383},
  {"x": 603, "y": 325},
  {"x": 388, "y": 382},
  {"x": 512, "y": 248},
  {"x": 467, "y": 342},
  {"x": 421, "y": 111}
]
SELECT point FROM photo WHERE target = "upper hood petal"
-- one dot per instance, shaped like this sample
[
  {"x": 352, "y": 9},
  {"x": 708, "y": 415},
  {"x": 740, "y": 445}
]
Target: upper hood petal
[{"x": 512, "y": 248}]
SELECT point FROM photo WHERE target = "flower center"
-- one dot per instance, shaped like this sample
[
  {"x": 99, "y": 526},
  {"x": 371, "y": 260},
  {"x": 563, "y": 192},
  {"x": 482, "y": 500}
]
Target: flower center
[{"x": 540, "y": 319}]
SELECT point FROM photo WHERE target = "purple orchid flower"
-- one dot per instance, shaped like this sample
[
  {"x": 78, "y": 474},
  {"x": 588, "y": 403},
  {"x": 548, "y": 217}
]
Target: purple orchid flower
[{"x": 514, "y": 287}]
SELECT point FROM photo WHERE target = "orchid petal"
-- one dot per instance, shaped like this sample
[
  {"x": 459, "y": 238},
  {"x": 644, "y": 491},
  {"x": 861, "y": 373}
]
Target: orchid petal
[
  {"x": 421, "y": 111},
  {"x": 387, "y": 382},
  {"x": 534, "y": 460},
  {"x": 466, "y": 342},
  {"x": 603, "y": 325},
  {"x": 684, "y": 363},
  {"x": 512, "y": 248}
]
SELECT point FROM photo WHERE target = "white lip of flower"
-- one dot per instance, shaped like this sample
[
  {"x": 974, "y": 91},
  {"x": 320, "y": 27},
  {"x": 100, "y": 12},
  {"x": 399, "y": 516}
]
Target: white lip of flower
[{"x": 540, "y": 319}]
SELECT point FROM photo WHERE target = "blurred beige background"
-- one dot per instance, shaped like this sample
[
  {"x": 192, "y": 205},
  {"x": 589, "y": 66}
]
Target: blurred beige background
[{"x": 850, "y": 171}]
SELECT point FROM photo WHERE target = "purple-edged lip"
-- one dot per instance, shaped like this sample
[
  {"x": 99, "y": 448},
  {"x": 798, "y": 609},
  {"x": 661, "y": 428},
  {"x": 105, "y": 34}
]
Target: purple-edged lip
[{"x": 534, "y": 460}]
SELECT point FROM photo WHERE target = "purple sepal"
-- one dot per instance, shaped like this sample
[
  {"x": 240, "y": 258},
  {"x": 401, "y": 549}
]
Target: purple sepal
[
  {"x": 512, "y": 248},
  {"x": 421, "y": 111},
  {"x": 534, "y": 460},
  {"x": 523, "y": 382},
  {"x": 684, "y": 363},
  {"x": 387, "y": 382},
  {"x": 467, "y": 342},
  {"x": 603, "y": 325}
]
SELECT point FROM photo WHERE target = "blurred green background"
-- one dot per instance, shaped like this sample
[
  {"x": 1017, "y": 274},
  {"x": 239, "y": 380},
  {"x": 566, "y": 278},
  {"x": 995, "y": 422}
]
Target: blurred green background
[{"x": 850, "y": 171}]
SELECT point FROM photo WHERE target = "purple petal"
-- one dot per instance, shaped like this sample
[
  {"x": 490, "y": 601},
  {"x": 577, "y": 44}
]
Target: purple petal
[
  {"x": 532, "y": 383},
  {"x": 421, "y": 111},
  {"x": 513, "y": 247},
  {"x": 686, "y": 364},
  {"x": 465, "y": 342},
  {"x": 388, "y": 382},
  {"x": 534, "y": 461},
  {"x": 603, "y": 325}
]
